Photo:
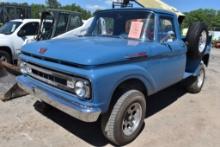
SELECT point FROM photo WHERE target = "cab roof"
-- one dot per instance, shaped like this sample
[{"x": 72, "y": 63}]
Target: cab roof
[
  {"x": 154, "y": 10},
  {"x": 61, "y": 11}
]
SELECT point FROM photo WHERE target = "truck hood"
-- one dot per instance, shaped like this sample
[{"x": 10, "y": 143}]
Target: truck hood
[{"x": 88, "y": 50}]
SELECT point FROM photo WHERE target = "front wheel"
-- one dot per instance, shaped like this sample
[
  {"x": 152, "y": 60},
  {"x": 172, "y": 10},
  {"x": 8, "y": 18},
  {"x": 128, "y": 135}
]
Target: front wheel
[
  {"x": 125, "y": 121},
  {"x": 195, "y": 84},
  {"x": 5, "y": 57}
]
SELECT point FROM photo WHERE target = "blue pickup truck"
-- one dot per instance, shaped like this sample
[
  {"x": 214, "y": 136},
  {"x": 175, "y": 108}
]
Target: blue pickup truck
[{"x": 127, "y": 55}]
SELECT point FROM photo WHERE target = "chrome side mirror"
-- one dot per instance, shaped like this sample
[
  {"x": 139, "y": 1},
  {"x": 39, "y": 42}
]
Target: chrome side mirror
[{"x": 171, "y": 34}]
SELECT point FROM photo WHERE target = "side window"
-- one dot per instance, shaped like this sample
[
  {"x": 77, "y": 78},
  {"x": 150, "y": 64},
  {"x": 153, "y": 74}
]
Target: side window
[
  {"x": 166, "y": 30},
  {"x": 30, "y": 29},
  {"x": 75, "y": 22},
  {"x": 62, "y": 24},
  {"x": 105, "y": 26}
]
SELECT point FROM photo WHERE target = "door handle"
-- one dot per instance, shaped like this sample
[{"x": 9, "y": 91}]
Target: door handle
[{"x": 169, "y": 46}]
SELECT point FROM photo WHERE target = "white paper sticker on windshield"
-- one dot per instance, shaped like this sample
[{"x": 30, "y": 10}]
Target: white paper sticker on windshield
[{"x": 135, "y": 29}]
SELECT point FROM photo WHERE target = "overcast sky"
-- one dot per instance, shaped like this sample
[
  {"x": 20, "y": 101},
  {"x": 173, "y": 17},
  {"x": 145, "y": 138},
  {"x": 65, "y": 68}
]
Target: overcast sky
[{"x": 182, "y": 5}]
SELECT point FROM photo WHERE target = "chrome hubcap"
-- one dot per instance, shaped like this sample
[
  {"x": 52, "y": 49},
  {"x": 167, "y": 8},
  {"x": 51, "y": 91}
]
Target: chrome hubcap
[
  {"x": 3, "y": 58},
  {"x": 200, "y": 78},
  {"x": 132, "y": 119},
  {"x": 202, "y": 41}
]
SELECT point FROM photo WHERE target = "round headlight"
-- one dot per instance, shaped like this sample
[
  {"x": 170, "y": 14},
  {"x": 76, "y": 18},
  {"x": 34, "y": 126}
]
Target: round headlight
[
  {"x": 80, "y": 89},
  {"x": 79, "y": 84},
  {"x": 81, "y": 92},
  {"x": 23, "y": 66}
]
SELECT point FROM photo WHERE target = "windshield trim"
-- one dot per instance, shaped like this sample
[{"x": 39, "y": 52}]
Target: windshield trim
[{"x": 97, "y": 14}]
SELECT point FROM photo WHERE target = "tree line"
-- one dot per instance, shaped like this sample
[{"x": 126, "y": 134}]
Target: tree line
[
  {"x": 37, "y": 8},
  {"x": 210, "y": 17}
]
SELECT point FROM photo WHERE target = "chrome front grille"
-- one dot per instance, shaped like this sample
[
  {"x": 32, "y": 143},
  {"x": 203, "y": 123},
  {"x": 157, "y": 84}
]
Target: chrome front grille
[{"x": 50, "y": 77}]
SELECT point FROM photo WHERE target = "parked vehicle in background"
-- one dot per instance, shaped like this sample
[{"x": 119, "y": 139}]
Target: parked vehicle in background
[
  {"x": 12, "y": 11},
  {"x": 215, "y": 34},
  {"x": 80, "y": 31},
  {"x": 216, "y": 37},
  {"x": 59, "y": 24},
  {"x": 12, "y": 36},
  {"x": 56, "y": 22},
  {"x": 217, "y": 44}
]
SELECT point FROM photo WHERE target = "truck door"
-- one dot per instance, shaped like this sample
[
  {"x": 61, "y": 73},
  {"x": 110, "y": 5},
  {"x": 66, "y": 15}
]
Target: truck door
[{"x": 170, "y": 53}]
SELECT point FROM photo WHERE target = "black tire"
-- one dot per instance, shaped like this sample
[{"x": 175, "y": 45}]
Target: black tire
[
  {"x": 5, "y": 56},
  {"x": 195, "y": 84},
  {"x": 193, "y": 38},
  {"x": 112, "y": 123}
]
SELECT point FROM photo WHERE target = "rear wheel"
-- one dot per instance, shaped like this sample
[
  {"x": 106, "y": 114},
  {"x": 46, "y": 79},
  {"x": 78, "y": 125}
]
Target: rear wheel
[
  {"x": 5, "y": 57},
  {"x": 126, "y": 119},
  {"x": 195, "y": 84}
]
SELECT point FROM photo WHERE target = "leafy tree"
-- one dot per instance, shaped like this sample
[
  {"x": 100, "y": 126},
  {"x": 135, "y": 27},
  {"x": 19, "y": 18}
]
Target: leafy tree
[
  {"x": 73, "y": 7},
  {"x": 53, "y": 4},
  {"x": 209, "y": 16},
  {"x": 36, "y": 9}
]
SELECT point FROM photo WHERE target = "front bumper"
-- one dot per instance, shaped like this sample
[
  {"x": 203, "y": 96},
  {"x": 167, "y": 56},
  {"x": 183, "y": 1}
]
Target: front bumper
[{"x": 57, "y": 99}]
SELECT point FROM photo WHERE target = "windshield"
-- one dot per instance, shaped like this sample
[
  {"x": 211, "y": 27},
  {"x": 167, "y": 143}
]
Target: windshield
[
  {"x": 9, "y": 27},
  {"x": 124, "y": 24}
]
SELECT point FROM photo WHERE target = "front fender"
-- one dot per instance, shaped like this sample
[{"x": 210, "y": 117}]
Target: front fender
[
  {"x": 106, "y": 80},
  {"x": 5, "y": 43}
]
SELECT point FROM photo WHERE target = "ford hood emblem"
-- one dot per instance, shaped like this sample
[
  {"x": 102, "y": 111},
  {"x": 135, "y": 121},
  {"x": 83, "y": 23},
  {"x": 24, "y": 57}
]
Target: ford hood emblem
[{"x": 42, "y": 50}]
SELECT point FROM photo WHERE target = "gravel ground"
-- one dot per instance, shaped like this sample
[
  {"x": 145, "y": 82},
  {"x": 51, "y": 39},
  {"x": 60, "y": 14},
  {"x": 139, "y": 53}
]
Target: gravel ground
[{"x": 175, "y": 118}]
